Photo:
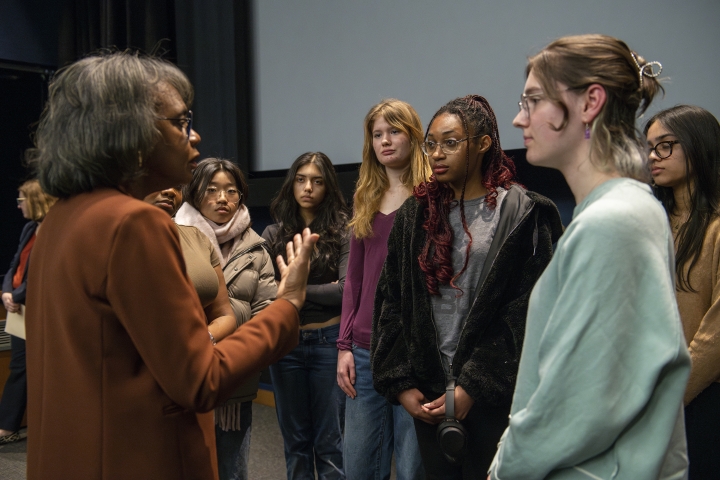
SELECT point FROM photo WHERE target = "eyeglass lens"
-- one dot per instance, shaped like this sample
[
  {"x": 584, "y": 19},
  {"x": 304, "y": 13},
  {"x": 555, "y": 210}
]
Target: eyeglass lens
[
  {"x": 215, "y": 193},
  {"x": 662, "y": 149}
]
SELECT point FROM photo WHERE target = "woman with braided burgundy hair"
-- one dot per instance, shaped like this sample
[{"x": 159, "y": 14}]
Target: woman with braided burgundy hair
[{"x": 463, "y": 255}]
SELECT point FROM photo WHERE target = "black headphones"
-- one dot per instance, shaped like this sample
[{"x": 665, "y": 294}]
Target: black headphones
[{"x": 451, "y": 435}]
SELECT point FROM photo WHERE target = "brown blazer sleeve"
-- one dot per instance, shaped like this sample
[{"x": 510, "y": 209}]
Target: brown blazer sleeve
[{"x": 156, "y": 304}]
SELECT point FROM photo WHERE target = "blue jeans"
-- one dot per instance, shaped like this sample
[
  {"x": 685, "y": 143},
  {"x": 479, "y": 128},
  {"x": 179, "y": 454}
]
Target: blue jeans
[
  {"x": 310, "y": 406},
  {"x": 233, "y": 447},
  {"x": 373, "y": 428}
]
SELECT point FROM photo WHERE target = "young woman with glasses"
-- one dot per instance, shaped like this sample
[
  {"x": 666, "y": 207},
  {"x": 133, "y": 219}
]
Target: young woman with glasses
[
  {"x": 393, "y": 163},
  {"x": 34, "y": 204},
  {"x": 684, "y": 153},
  {"x": 604, "y": 365},
  {"x": 214, "y": 204},
  {"x": 310, "y": 405},
  {"x": 463, "y": 255}
]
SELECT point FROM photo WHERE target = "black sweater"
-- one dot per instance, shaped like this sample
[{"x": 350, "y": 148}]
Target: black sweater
[{"x": 404, "y": 352}]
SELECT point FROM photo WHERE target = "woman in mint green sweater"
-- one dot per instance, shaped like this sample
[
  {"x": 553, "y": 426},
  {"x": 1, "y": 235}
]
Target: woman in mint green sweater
[{"x": 604, "y": 364}]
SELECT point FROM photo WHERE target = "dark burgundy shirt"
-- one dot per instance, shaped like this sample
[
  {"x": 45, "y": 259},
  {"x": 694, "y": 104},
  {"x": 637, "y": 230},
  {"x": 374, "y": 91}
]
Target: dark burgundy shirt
[{"x": 367, "y": 257}]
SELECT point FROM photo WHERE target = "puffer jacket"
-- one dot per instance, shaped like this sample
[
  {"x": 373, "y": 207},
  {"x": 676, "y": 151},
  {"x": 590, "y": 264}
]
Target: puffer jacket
[{"x": 250, "y": 280}]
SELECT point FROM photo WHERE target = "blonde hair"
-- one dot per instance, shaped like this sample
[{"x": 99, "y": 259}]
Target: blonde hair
[
  {"x": 582, "y": 60},
  {"x": 373, "y": 181},
  {"x": 38, "y": 202}
]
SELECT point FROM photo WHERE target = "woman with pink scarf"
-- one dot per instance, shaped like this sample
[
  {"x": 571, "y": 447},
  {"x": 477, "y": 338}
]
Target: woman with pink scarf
[{"x": 214, "y": 204}]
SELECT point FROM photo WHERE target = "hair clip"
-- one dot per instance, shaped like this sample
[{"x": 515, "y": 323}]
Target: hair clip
[{"x": 650, "y": 66}]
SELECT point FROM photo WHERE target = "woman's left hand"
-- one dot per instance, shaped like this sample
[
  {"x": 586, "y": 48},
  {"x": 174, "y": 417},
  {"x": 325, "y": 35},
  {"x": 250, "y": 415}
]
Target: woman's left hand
[
  {"x": 463, "y": 403},
  {"x": 10, "y": 306}
]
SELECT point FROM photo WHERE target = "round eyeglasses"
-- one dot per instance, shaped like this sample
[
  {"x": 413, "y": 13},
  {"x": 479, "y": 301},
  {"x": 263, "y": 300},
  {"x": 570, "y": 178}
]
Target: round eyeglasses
[
  {"x": 231, "y": 194},
  {"x": 663, "y": 149},
  {"x": 185, "y": 122},
  {"x": 447, "y": 147}
]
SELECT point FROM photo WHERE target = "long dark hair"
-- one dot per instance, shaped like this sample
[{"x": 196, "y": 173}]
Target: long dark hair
[
  {"x": 698, "y": 132},
  {"x": 497, "y": 170},
  {"x": 331, "y": 216}
]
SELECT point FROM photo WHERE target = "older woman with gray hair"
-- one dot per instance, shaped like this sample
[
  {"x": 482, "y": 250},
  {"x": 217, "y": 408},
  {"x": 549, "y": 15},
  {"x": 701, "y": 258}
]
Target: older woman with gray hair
[{"x": 121, "y": 369}]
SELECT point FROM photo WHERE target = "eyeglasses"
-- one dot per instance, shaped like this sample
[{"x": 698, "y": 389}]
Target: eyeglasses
[
  {"x": 524, "y": 104},
  {"x": 448, "y": 147},
  {"x": 231, "y": 194},
  {"x": 20, "y": 200},
  {"x": 662, "y": 149},
  {"x": 182, "y": 121}
]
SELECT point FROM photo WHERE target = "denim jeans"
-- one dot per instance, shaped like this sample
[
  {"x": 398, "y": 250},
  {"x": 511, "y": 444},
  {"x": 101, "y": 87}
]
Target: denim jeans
[
  {"x": 233, "y": 447},
  {"x": 310, "y": 406},
  {"x": 373, "y": 428}
]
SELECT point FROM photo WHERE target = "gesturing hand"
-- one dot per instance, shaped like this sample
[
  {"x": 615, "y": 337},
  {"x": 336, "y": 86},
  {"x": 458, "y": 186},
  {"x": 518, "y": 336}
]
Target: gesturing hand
[{"x": 294, "y": 273}]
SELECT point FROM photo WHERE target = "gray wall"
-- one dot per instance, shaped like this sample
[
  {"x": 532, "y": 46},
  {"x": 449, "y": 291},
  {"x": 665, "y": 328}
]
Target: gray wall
[{"x": 321, "y": 64}]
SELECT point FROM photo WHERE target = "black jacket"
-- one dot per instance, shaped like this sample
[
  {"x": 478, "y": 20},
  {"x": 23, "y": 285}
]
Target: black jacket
[
  {"x": 18, "y": 294},
  {"x": 404, "y": 352}
]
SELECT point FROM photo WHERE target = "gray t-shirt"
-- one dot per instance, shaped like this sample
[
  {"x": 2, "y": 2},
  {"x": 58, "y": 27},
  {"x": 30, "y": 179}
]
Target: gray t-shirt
[{"x": 451, "y": 307}]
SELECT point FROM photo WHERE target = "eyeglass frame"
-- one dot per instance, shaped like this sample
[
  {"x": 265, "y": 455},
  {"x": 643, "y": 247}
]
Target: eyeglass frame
[
  {"x": 216, "y": 195},
  {"x": 20, "y": 200},
  {"x": 187, "y": 118},
  {"x": 423, "y": 145},
  {"x": 523, "y": 104},
  {"x": 657, "y": 154}
]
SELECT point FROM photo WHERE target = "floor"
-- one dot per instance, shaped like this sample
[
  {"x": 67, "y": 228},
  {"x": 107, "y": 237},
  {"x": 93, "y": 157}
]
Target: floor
[{"x": 267, "y": 461}]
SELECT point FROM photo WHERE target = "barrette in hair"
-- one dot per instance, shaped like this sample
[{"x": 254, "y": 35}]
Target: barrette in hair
[{"x": 647, "y": 70}]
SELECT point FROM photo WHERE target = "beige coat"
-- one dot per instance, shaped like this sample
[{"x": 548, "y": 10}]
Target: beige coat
[
  {"x": 120, "y": 366},
  {"x": 251, "y": 286}
]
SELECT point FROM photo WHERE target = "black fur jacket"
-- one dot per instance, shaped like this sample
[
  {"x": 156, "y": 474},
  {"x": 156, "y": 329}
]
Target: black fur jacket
[{"x": 404, "y": 352}]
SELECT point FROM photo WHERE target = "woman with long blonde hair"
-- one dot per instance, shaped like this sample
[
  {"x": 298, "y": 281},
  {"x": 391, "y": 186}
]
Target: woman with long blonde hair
[{"x": 393, "y": 163}]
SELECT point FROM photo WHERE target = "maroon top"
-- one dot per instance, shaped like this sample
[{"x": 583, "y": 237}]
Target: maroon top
[{"x": 367, "y": 257}]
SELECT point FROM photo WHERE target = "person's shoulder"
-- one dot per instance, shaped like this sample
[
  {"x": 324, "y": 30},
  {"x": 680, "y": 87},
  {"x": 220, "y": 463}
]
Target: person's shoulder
[
  {"x": 409, "y": 208},
  {"x": 625, "y": 201},
  {"x": 625, "y": 212},
  {"x": 105, "y": 206},
  {"x": 29, "y": 227},
  {"x": 270, "y": 232},
  {"x": 251, "y": 240},
  {"x": 193, "y": 234},
  {"x": 540, "y": 200}
]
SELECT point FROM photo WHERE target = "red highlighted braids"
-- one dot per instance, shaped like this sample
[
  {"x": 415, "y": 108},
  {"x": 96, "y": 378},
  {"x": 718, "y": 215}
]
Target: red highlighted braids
[{"x": 497, "y": 170}]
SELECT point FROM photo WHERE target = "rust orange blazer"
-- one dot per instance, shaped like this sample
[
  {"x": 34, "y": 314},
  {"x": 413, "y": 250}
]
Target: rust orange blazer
[{"x": 120, "y": 366}]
